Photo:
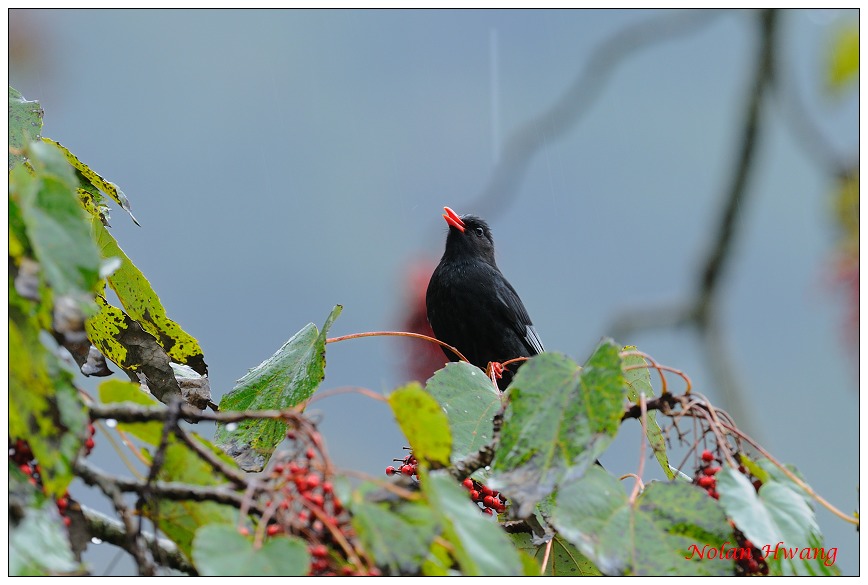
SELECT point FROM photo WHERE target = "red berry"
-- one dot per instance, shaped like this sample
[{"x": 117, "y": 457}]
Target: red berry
[
  {"x": 391, "y": 470},
  {"x": 315, "y": 499},
  {"x": 714, "y": 495},
  {"x": 26, "y": 469},
  {"x": 319, "y": 550},
  {"x": 408, "y": 470},
  {"x": 327, "y": 487},
  {"x": 310, "y": 453},
  {"x": 312, "y": 481},
  {"x": 707, "y": 456},
  {"x": 489, "y": 511},
  {"x": 62, "y": 504},
  {"x": 711, "y": 470},
  {"x": 273, "y": 529},
  {"x": 486, "y": 491},
  {"x": 67, "y": 521},
  {"x": 468, "y": 483},
  {"x": 89, "y": 444},
  {"x": 474, "y": 495},
  {"x": 243, "y": 531},
  {"x": 706, "y": 481},
  {"x": 488, "y": 501}
]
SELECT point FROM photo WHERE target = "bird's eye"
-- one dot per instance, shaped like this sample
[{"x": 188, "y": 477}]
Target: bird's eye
[{"x": 480, "y": 232}]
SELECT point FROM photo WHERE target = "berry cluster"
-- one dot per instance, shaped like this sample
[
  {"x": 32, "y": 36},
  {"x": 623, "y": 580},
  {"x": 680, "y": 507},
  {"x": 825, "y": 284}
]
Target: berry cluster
[
  {"x": 300, "y": 499},
  {"x": 491, "y": 501},
  {"x": 408, "y": 466},
  {"x": 753, "y": 566},
  {"x": 22, "y": 456},
  {"x": 705, "y": 474}
]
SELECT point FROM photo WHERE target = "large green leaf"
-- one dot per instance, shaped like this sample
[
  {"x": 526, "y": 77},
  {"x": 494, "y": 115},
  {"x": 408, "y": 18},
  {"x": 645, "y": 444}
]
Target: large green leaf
[
  {"x": 651, "y": 536},
  {"x": 57, "y": 227},
  {"x": 44, "y": 406},
  {"x": 25, "y": 124},
  {"x": 639, "y": 381},
  {"x": 480, "y": 546},
  {"x": 470, "y": 401},
  {"x": 286, "y": 379},
  {"x": 219, "y": 550},
  {"x": 397, "y": 534},
  {"x": 423, "y": 422},
  {"x": 142, "y": 304},
  {"x": 779, "y": 516},
  {"x": 560, "y": 418}
]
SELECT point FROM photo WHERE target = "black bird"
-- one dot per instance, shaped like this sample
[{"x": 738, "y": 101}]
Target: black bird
[{"x": 472, "y": 307}]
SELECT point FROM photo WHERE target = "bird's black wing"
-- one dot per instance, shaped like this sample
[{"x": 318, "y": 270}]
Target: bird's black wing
[{"x": 516, "y": 315}]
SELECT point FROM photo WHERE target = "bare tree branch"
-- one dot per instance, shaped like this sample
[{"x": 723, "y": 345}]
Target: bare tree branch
[{"x": 563, "y": 115}]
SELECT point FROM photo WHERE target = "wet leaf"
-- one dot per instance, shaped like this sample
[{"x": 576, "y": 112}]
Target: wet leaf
[
  {"x": 560, "y": 418},
  {"x": 286, "y": 379},
  {"x": 25, "y": 125},
  {"x": 470, "y": 401},
  {"x": 651, "y": 536}
]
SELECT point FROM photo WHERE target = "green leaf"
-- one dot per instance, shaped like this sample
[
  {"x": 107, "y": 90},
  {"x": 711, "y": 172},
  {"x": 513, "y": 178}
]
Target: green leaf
[
  {"x": 559, "y": 419},
  {"x": 44, "y": 406},
  {"x": 93, "y": 178},
  {"x": 651, "y": 536},
  {"x": 57, "y": 227},
  {"x": 423, "y": 422},
  {"x": 115, "y": 391},
  {"x": 37, "y": 545},
  {"x": 25, "y": 124},
  {"x": 218, "y": 550},
  {"x": 565, "y": 560},
  {"x": 639, "y": 381},
  {"x": 844, "y": 57},
  {"x": 142, "y": 304},
  {"x": 778, "y": 519},
  {"x": 470, "y": 401},
  {"x": 480, "y": 546},
  {"x": 286, "y": 379},
  {"x": 398, "y": 536}
]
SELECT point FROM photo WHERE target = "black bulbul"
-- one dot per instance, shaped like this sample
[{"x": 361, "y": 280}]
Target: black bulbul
[{"x": 472, "y": 307}]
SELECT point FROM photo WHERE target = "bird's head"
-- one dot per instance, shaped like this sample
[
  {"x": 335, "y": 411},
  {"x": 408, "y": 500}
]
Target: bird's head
[{"x": 469, "y": 237}]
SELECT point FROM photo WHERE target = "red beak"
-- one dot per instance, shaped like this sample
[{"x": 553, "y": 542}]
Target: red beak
[{"x": 453, "y": 219}]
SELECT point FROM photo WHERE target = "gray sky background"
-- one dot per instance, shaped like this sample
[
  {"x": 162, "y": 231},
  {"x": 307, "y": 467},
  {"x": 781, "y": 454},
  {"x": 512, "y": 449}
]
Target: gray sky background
[{"x": 281, "y": 162}]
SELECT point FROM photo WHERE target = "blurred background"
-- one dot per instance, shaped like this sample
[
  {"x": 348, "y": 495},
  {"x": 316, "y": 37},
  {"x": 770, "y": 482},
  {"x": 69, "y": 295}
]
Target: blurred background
[{"x": 282, "y": 162}]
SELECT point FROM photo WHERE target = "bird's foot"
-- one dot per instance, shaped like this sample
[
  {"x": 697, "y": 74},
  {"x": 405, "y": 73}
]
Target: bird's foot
[{"x": 494, "y": 371}]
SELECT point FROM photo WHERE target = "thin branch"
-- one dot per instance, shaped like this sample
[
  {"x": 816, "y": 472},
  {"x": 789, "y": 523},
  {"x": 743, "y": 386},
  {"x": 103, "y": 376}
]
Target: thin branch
[
  {"x": 112, "y": 531},
  {"x": 564, "y": 114},
  {"x": 701, "y": 309}
]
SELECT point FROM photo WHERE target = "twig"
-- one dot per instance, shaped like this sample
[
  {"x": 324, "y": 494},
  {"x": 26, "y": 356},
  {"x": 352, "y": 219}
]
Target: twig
[
  {"x": 567, "y": 110},
  {"x": 398, "y": 334},
  {"x": 112, "y": 531}
]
